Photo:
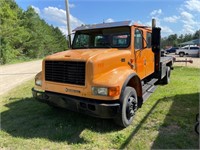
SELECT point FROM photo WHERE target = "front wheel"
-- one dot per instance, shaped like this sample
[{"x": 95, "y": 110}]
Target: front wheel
[
  {"x": 129, "y": 105},
  {"x": 181, "y": 54}
]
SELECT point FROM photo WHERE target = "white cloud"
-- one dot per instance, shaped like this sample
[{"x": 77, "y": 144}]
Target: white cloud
[
  {"x": 109, "y": 20},
  {"x": 156, "y": 12},
  {"x": 188, "y": 28},
  {"x": 58, "y": 16},
  {"x": 148, "y": 23},
  {"x": 190, "y": 16},
  {"x": 37, "y": 10},
  {"x": 189, "y": 23},
  {"x": 55, "y": 14},
  {"x": 139, "y": 22},
  {"x": 71, "y": 5},
  {"x": 193, "y": 5},
  {"x": 64, "y": 30},
  {"x": 172, "y": 19},
  {"x": 166, "y": 30},
  {"x": 187, "y": 16}
]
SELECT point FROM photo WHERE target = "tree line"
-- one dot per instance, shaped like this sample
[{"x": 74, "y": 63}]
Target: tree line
[
  {"x": 174, "y": 40},
  {"x": 24, "y": 35}
]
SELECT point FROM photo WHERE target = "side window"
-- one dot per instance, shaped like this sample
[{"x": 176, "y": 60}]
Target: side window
[
  {"x": 148, "y": 40},
  {"x": 138, "y": 39},
  {"x": 194, "y": 48}
]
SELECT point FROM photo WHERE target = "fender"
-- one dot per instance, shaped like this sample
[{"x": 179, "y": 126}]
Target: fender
[
  {"x": 122, "y": 76},
  {"x": 134, "y": 81}
]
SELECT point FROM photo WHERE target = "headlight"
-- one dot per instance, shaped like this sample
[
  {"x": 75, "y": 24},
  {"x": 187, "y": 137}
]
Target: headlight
[
  {"x": 100, "y": 91},
  {"x": 103, "y": 91},
  {"x": 38, "y": 82}
]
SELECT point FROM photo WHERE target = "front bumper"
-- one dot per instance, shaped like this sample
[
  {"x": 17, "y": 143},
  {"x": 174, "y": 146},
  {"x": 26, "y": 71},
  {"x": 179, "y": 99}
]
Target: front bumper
[{"x": 96, "y": 108}]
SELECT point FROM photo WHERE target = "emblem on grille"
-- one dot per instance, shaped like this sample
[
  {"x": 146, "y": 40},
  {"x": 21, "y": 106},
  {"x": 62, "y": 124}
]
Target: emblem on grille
[{"x": 71, "y": 90}]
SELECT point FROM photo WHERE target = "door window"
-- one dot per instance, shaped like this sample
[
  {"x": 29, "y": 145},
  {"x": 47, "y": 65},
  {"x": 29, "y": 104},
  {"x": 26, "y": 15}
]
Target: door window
[
  {"x": 148, "y": 40},
  {"x": 138, "y": 39}
]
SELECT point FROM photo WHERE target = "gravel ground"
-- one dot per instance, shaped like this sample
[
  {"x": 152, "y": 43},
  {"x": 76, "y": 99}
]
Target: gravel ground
[{"x": 13, "y": 75}]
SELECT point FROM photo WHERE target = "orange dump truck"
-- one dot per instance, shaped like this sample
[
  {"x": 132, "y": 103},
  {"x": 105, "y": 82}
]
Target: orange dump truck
[{"x": 109, "y": 72}]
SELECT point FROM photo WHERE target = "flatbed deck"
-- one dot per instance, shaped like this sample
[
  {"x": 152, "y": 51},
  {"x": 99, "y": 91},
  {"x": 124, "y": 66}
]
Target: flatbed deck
[{"x": 166, "y": 59}]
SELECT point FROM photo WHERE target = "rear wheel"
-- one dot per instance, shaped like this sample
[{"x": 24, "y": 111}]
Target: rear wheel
[
  {"x": 181, "y": 54},
  {"x": 129, "y": 105},
  {"x": 166, "y": 79}
]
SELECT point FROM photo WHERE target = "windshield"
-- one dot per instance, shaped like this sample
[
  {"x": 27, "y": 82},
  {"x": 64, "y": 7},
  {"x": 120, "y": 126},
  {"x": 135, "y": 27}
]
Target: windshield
[{"x": 102, "y": 38}]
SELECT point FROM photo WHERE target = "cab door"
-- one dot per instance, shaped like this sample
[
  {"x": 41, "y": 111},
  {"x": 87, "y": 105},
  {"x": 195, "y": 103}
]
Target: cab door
[
  {"x": 139, "y": 53},
  {"x": 149, "y": 55}
]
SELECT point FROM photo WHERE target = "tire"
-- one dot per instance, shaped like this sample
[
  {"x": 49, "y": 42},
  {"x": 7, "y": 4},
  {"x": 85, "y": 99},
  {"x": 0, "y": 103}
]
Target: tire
[
  {"x": 129, "y": 105},
  {"x": 166, "y": 79},
  {"x": 181, "y": 54}
]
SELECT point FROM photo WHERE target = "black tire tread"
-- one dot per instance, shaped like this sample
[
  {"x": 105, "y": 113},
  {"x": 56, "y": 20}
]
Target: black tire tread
[
  {"x": 119, "y": 118},
  {"x": 166, "y": 79}
]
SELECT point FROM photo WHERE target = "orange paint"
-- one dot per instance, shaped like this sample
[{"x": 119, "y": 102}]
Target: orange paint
[{"x": 104, "y": 68}]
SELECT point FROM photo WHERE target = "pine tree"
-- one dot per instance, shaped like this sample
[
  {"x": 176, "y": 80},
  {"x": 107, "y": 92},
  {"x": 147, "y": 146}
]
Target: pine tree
[{"x": 24, "y": 35}]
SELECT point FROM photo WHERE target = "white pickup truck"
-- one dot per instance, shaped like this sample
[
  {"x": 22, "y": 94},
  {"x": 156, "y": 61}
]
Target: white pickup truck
[{"x": 189, "y": 50}]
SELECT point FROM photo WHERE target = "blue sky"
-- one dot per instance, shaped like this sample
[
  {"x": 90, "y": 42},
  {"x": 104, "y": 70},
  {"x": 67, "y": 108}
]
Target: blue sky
[{"x": 173, "y": 16}]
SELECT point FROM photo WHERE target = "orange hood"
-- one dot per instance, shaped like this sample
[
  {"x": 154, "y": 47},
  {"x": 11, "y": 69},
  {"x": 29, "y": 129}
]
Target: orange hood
[{"x": 83, "y": 54}]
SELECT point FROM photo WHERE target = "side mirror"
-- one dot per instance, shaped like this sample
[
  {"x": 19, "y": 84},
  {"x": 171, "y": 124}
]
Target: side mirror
[{"x": 156, "y": 38}]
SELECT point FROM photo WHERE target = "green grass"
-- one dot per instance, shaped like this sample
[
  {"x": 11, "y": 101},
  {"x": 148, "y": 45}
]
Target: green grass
[{"x": 165, "y": 121}]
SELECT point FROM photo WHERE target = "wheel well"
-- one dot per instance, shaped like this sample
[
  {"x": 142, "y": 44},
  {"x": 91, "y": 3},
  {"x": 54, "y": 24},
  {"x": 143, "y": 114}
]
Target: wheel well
[
  {"x": 135, "y": 82},
  {"x": 170, "y": 64}
]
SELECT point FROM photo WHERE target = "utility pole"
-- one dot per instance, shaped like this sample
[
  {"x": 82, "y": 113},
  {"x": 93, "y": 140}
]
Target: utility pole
[{"x": 68, "y": 21}]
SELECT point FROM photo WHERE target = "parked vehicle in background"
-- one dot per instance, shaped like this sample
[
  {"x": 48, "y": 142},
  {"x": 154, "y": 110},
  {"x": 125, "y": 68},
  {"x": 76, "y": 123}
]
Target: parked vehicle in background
[
  {"x": 172, "y": 50},
  {"x": 188, "y": 50}
]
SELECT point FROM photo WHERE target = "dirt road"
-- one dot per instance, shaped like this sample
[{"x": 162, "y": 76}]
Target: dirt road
[{"x": 13, "y": 75}]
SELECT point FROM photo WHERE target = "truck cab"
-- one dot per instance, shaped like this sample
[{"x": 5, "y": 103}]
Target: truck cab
[{"x": 110, "y": 70}]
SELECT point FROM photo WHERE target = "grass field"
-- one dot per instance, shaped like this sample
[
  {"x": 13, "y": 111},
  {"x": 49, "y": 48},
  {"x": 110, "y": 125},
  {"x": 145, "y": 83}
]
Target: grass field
[{"x": 165, "y": 121}]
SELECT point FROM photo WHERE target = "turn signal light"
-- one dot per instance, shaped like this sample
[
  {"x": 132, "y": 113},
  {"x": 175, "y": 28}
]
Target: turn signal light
[{"x": 113, "y": 91}]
